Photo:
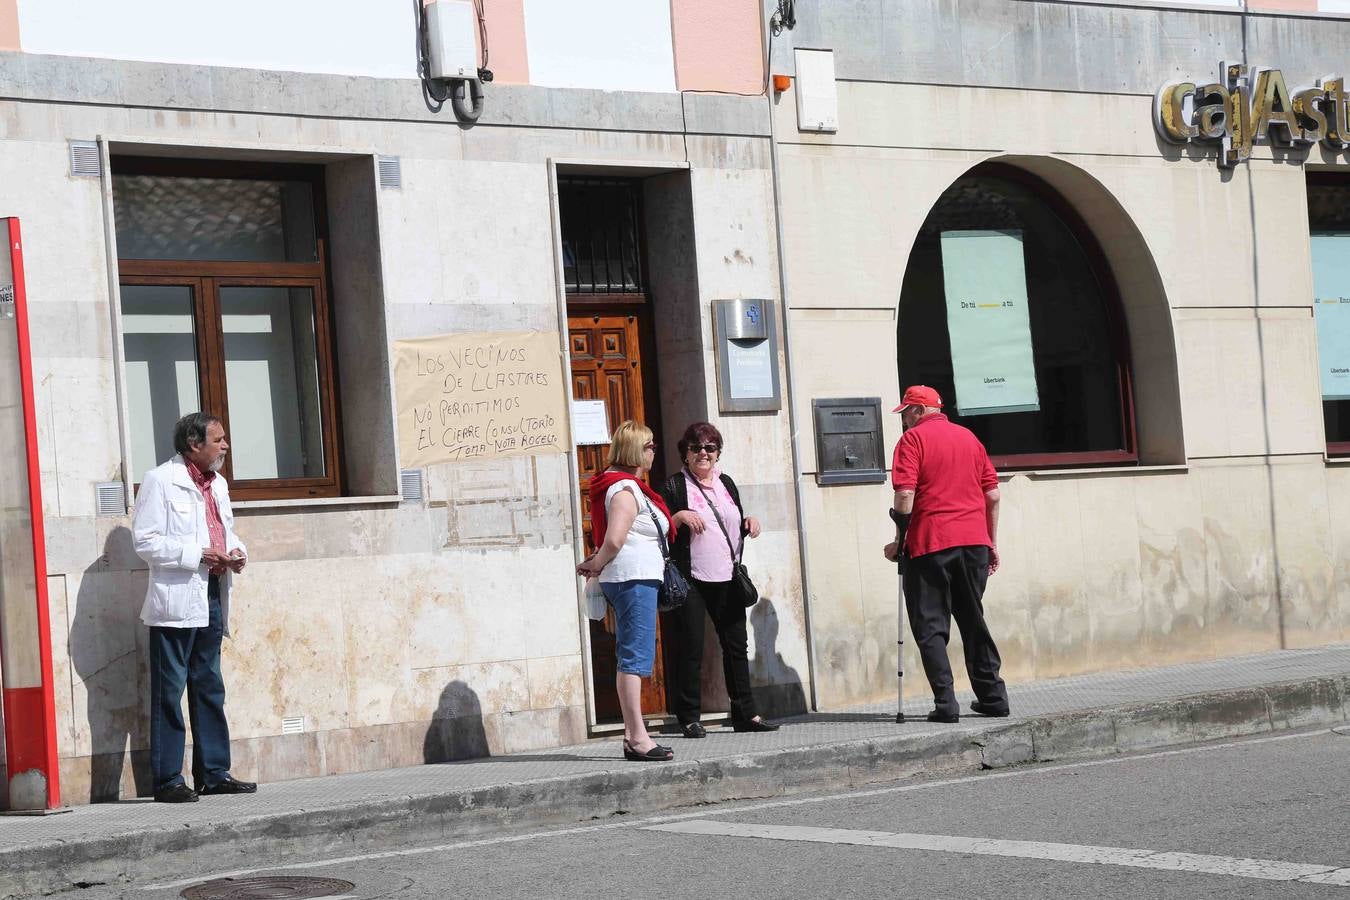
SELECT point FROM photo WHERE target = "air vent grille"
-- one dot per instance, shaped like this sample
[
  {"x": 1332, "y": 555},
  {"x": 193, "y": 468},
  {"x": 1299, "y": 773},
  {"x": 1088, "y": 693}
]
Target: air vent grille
[
  {"x": 85, "y": 159},
  {"x": 110, "y": 498},
  {"x": 293, "y": 725},
  {"x": 391, "y": 171},
  {"x": 410, "y": 484}
]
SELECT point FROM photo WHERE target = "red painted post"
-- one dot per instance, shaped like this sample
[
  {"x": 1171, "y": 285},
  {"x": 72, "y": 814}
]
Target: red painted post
[{"x": 32, "y": 767}]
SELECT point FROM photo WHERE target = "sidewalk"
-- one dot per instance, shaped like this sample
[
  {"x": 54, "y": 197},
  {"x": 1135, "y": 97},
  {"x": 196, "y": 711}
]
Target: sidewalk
[{"x": 1075, "y": 717}]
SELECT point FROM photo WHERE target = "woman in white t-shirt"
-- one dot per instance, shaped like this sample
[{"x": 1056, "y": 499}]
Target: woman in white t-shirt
[{"x": 626, "y": 518}]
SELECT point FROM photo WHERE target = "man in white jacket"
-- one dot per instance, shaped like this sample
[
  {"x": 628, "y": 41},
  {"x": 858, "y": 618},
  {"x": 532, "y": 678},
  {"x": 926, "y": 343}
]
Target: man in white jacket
[{"x": 184, "y": 530}]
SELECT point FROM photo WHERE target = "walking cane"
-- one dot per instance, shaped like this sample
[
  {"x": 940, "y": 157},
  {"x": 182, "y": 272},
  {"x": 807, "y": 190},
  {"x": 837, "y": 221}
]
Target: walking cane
[{"x": 900, "y": 642}]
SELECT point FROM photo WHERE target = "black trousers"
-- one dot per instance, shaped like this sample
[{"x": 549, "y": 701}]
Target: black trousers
[
  {"x": 939, "y": 587},
  {"x": 728, "y": 618}
]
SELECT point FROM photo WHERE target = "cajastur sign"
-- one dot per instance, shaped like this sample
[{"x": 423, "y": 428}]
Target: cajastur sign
[{"x": 1248, "y": 104}]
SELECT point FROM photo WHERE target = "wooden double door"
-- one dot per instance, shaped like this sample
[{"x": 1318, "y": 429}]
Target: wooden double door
[{"x": 607, "y": 349}]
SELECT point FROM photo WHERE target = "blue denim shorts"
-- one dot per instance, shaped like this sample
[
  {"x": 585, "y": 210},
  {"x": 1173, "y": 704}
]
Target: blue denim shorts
[{"x": 634, "y": 604}]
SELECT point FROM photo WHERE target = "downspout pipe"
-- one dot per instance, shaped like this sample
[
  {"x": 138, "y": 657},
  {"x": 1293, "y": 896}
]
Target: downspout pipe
[{"x": 788, "y": 356}]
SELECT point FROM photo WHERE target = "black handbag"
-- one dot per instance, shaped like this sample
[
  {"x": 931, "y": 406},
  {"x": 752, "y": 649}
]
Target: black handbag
[
  {"x": 742, "y": 587},
  {"x": 674, "y": 589}
]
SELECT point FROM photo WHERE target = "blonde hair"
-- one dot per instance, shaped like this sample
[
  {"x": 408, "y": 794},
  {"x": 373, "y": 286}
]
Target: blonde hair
[{"x": 630, "y": 440}]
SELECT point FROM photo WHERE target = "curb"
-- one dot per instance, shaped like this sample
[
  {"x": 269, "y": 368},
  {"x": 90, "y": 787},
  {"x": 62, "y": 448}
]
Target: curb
[{"x": 369, "y": 826}]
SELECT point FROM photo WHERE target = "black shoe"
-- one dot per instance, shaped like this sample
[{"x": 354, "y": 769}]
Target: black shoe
[
  {"x": 656, "y": 754},
  {"x": 179, "y": 793},
  {"x": 229, "y": 785},
  {"x": 988, "y": 709},
  {"x": 752, "y": 725},
  {"x": 694, "y": 730},
  {"x": 938, "y": 715}
]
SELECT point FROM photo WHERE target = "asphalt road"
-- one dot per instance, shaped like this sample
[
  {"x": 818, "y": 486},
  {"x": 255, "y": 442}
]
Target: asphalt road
[{"x": 1257, "y": 818}]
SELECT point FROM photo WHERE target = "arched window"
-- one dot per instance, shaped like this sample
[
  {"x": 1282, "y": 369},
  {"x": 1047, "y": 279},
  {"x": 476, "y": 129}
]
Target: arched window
[{"x": 1008, "y": 309}]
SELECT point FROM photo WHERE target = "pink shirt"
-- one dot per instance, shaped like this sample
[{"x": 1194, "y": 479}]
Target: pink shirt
[{"x": 709, "y": 556}]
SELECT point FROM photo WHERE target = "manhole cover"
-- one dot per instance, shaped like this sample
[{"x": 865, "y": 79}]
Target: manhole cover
[{"x": 268, "y": 887}]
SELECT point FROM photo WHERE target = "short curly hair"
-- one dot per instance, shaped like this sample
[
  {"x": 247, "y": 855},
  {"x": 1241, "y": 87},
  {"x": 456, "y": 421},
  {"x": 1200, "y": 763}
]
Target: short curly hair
[{"x": 700, "y": 433}]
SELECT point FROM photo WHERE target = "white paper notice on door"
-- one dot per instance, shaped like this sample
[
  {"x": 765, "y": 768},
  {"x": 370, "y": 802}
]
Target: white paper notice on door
[
  {"x": 590, "y": 423},
  {"x": 985, "y": 281},
  {"x": 1331, "y": 311}
]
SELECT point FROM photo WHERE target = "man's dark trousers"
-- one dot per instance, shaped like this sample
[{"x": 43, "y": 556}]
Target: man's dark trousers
[
  {"x": 944, "y": 585},
  {"x": 189, "y": 657}
]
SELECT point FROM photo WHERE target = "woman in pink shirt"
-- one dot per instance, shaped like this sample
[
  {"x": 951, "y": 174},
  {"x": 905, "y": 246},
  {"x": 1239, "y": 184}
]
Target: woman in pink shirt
[{"x": 706, "y": 508}]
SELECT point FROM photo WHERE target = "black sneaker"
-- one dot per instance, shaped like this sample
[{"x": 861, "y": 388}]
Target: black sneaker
[
  {"x": 178, "y": 793},
  {"x": 938, "y": 715}
]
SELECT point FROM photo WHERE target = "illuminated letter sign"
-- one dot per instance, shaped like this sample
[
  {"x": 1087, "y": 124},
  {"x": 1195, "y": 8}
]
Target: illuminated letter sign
[
  {"x": 985, "y": 281},
  {"x": 1247, "y": 105}
]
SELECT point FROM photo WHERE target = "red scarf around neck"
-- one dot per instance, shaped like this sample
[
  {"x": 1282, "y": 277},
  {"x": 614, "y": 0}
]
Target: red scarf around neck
[{"x": 600, "y": 485}]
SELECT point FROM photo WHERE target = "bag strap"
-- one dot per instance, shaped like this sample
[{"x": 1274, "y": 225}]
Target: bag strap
[
  {"x": 660, "y": 532},
  {"x": 720, "y": 524}
]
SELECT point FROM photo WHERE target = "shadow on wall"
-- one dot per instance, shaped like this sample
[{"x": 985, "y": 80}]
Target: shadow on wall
[
  {"x": 778, "y": 686},
  {"x": 107, "y": 650},
  {"x": 456, "y": 730}
]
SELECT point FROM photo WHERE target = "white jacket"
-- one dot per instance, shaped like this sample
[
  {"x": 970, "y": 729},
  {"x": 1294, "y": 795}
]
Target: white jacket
[{"x": 169, "y": 529}]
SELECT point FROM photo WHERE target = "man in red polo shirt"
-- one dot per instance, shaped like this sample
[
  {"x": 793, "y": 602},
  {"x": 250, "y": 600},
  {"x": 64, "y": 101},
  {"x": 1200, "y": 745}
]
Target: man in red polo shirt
[{"x": 946, "y": 515}]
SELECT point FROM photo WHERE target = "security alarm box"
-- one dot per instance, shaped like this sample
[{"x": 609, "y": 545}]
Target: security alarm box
[
  {"x": 848, "y": 441},
  {"x": 450, "y": 32}
]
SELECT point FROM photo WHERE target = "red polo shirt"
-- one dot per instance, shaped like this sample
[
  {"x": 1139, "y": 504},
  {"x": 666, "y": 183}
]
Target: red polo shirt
[{"x": 949, "y": 471}]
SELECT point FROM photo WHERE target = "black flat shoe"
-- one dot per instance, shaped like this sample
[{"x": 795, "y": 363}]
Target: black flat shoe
[
  {"x": 752, "y": 725},
  {"x": 945, "y": 718},
  {"x": 656, "y": 754},
  {"x": 179, "y": 793},
  {"x": 229, "y": 785},
  {"x": 986, "y": 709},
  {"x": 694, "y": 730}
]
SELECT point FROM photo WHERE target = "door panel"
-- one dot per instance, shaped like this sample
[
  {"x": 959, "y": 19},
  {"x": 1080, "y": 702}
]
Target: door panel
[{"x": 607, "y": 365}]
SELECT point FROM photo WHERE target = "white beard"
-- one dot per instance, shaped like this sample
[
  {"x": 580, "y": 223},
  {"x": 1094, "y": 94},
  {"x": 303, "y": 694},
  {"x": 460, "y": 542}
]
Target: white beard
[{"x": 217, "y": 463}]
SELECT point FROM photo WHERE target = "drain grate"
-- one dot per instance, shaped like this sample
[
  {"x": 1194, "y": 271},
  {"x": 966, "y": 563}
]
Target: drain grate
[{"x": 267, "y": 887}]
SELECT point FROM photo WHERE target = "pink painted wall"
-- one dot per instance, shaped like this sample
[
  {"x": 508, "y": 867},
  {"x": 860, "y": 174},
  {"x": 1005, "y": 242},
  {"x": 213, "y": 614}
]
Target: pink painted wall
[
  {"x": 1296, "y": 5},
  {"x": 718, "y": 45},
  {"x": 506, "y": 41},
  {"x": 9, "y": 24}
]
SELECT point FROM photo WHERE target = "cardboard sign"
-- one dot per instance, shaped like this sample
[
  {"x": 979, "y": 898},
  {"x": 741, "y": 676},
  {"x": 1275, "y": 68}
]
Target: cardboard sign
[{"x": 479, "y": 396}]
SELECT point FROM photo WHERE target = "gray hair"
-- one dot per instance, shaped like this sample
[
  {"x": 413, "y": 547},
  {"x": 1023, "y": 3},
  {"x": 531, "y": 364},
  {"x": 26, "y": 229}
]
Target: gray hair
[{"x": 191, "y": 429}]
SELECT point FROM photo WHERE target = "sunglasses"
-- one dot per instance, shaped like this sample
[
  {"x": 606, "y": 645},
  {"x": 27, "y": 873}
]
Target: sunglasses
[{"x": 709, "y": 449}]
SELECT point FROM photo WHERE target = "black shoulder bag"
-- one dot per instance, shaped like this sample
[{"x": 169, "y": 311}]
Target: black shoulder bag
[
  {"x": 742, "y": 587},
  {"x": 674, "y": 589}
]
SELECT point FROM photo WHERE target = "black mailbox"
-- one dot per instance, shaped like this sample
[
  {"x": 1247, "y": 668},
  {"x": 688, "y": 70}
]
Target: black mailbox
[{"x": 848, "y": 441}]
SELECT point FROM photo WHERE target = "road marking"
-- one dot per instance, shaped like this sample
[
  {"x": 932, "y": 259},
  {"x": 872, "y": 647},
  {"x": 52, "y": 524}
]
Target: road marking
[
  {"x": 744, "y": 808},
  {"x": 1237, "y": 867}
]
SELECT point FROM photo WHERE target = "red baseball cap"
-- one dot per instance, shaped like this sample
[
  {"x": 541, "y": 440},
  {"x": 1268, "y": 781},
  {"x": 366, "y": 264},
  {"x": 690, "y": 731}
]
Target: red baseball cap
[{"x": 919, "y": 395}]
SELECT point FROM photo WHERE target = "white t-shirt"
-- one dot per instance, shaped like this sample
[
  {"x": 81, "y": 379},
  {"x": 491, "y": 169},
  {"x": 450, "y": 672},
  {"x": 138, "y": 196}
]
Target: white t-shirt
[{"x": 639, "y": 559}]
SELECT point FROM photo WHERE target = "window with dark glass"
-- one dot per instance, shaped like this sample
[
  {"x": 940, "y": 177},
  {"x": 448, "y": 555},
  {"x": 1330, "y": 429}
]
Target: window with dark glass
[
  {"x": 224, "y": 309},
  {"x": 1065, "y": 349},
  {"x": 600, "y": 241},
  {"x": 1329, "y": 223}
]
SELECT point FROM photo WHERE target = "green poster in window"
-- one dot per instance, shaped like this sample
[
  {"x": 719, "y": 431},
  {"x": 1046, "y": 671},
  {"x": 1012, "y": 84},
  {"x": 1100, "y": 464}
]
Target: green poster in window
[
  {"x": 1331, "y": 309},
  {"x": 986, "y": 285}
]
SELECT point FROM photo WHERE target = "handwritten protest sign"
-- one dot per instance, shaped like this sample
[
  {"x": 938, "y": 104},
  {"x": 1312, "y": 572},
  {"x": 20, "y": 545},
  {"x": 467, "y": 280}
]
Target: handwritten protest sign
[{"x": 479, "y": 396}]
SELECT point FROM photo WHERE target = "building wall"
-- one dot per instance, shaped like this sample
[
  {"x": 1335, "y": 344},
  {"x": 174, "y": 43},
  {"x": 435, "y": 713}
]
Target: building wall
[
  {"x": 400, "y": 632},
  {"x": 630, "y": 45},
  {"x": 1226, "y": 538}
]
